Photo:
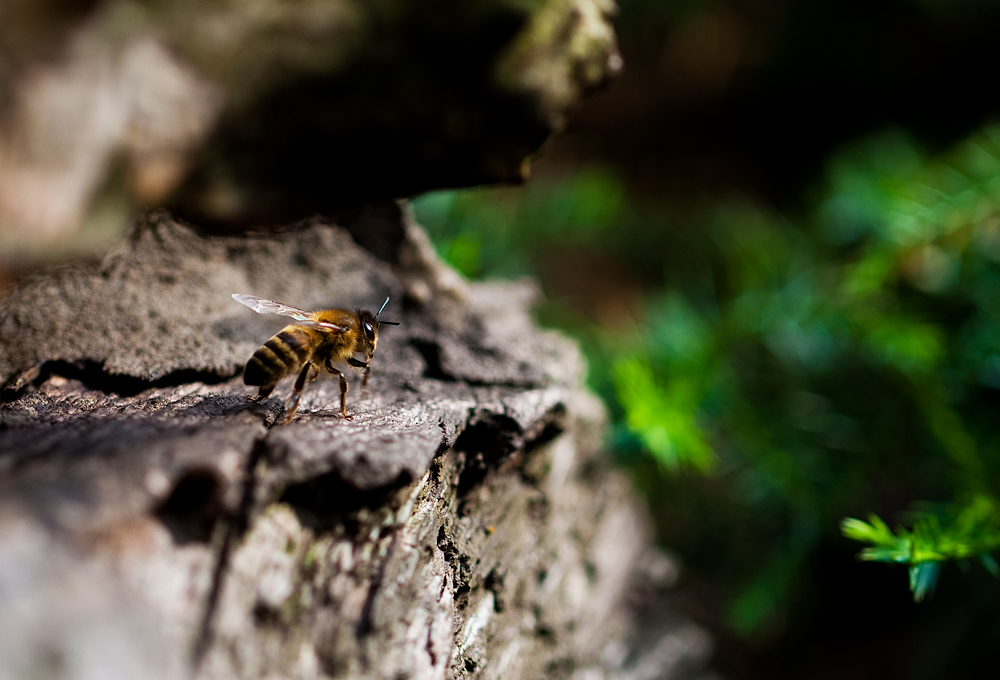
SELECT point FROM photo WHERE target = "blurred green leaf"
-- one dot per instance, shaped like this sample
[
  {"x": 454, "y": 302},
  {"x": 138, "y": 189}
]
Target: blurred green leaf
[
  {"x": 873, "y": 531},
  {"x": 664, "y": 416},
  {"x": 923, "y": 577}
]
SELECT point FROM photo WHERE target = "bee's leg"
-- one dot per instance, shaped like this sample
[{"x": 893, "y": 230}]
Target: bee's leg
[
  {"x": 367, "y": 365},
  {"x": 265, "y": 391},
  {"x": 293, "y": 401},
  {"x": 343, "y": 397},
  {"x": 343, "y": 391}
]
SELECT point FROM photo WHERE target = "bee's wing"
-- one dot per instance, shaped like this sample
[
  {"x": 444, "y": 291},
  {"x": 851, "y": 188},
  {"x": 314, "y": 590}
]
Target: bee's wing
[
  {"x": 322, "y": 325},
  {"x": 262, "y": 306}
]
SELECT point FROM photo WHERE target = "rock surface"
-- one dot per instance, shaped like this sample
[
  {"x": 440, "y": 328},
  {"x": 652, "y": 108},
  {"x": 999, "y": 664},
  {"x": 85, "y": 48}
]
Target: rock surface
[{"x": 156, "y": 523}]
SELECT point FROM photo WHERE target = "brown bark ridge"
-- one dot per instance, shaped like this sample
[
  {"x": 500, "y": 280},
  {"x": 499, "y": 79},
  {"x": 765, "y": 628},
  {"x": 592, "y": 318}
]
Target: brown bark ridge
[{"x": 156, "y": 523}]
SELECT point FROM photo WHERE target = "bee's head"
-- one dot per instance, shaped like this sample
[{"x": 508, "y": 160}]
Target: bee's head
[
  {"x": 369, "y": 328},
  {"x": 369, "y": 332}
]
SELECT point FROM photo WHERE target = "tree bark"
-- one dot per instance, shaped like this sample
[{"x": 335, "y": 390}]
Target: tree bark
[
  {"x": 254, "y": 115},
  {"x": 155, "y": 522}
]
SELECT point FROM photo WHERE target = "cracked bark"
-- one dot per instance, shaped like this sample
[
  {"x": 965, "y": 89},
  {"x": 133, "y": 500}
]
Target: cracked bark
[{"x": 155, "y": 523}]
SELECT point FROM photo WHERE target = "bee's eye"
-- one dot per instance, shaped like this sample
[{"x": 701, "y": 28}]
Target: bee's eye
[{"x": 369, "y": 331}]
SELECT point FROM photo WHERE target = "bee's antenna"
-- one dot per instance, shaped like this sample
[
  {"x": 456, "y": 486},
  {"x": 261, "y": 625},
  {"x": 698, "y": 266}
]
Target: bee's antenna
[{"x": 384, "y": 323}]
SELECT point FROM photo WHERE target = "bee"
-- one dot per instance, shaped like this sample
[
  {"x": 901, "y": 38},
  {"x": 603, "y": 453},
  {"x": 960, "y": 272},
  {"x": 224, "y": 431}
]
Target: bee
[{"x": 315, "y": 341}]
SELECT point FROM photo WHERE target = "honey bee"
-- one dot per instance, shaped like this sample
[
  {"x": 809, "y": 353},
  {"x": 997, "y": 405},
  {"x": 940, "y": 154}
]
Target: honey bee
[{"x": 315, "y": 341}]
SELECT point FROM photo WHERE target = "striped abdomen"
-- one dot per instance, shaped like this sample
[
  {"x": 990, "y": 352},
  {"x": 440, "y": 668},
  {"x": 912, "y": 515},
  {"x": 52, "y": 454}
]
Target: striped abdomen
[{"x": 281, "y": 355}]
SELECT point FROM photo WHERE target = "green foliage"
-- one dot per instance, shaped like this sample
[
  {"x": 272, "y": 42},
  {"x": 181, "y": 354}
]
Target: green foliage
[
  {"x": 813, "y": 365},
  {"x": 498, "y": 232},
  {"x": 663, "y": 413},
  {"x": 970, "y": 530}
]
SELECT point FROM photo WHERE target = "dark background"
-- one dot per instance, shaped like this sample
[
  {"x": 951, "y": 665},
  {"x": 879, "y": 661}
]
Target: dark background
[{"x": 754, "y": 96}]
